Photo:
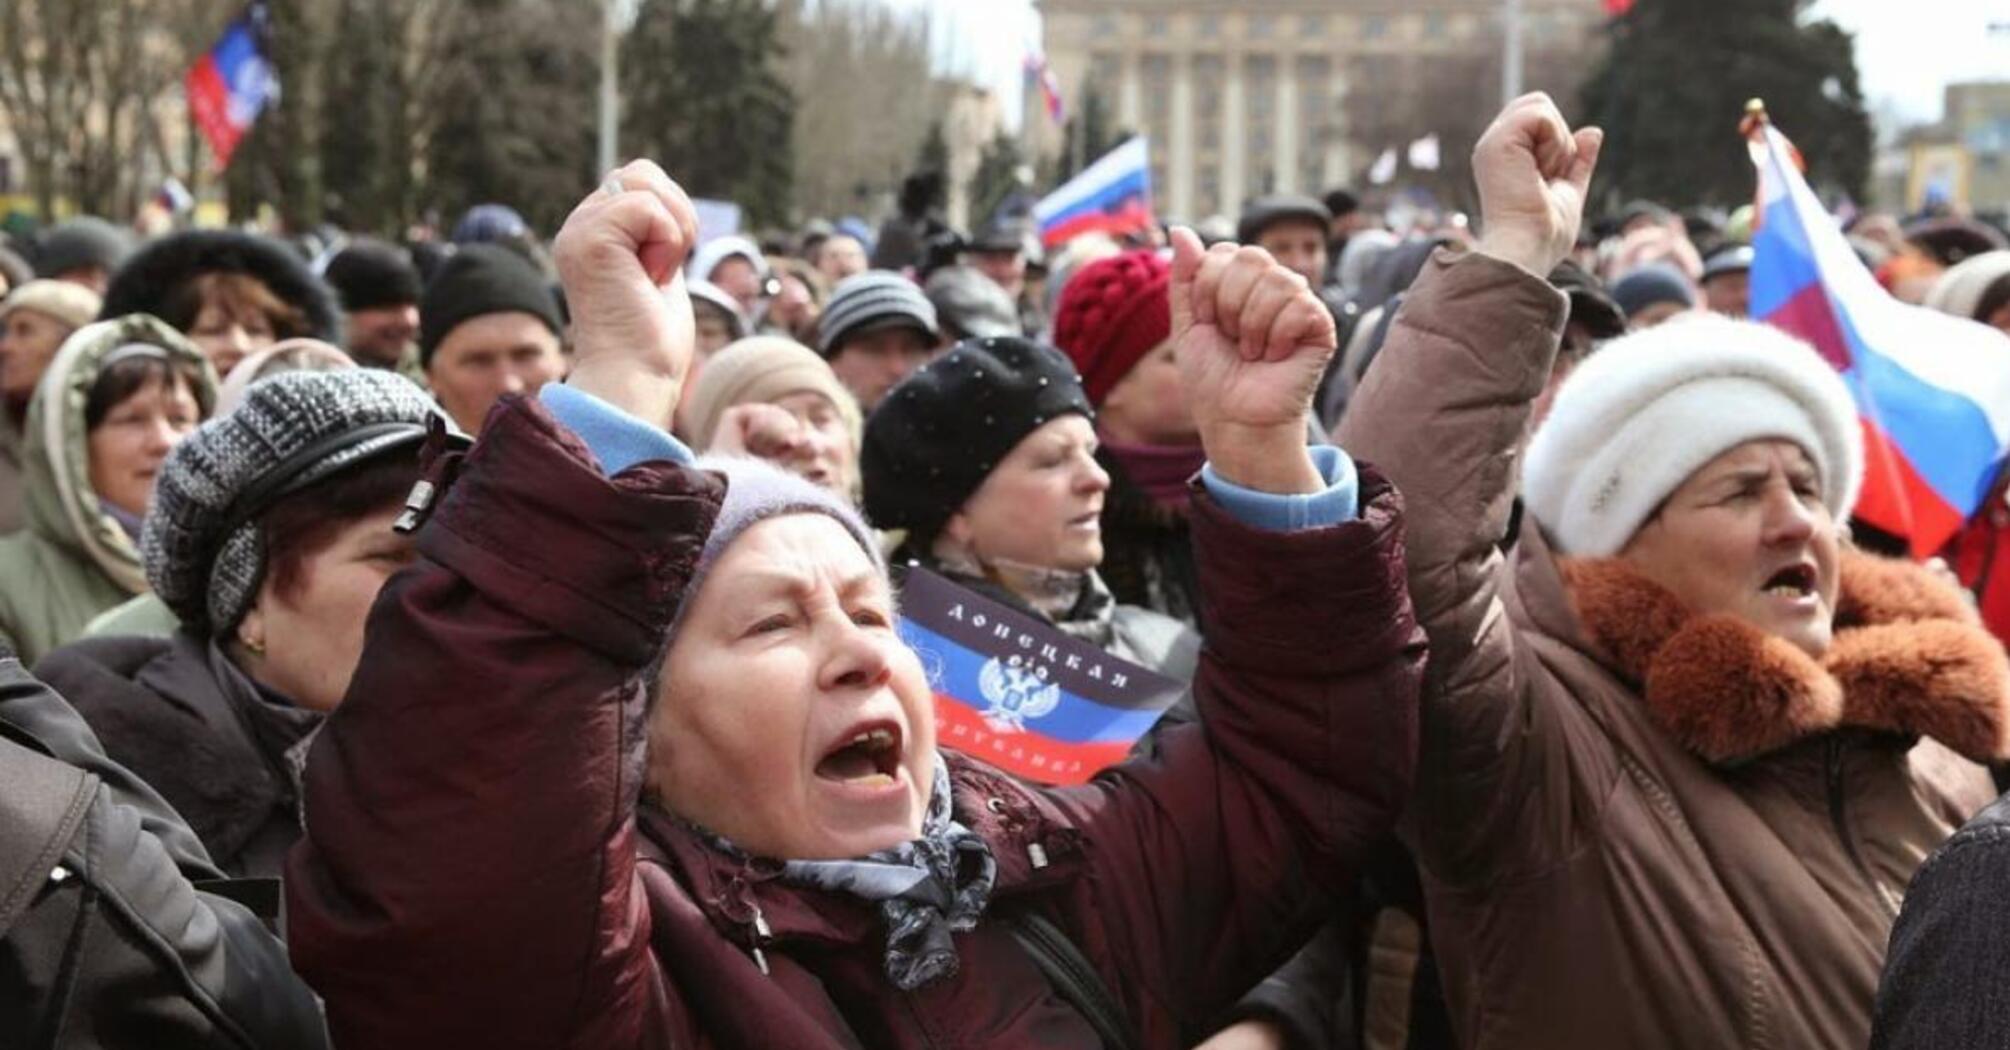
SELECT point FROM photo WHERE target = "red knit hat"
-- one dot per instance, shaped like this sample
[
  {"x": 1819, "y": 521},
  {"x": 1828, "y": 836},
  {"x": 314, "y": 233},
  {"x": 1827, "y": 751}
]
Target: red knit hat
[{"x": 1112, "y": 313}]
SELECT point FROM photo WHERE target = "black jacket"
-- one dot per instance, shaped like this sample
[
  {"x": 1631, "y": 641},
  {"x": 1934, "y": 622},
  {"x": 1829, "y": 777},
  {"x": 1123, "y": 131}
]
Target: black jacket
[
  {"x": 108, "y": 938},
  {"x": 1943, "y": 983},
  {"x": 224, "y": 753}
]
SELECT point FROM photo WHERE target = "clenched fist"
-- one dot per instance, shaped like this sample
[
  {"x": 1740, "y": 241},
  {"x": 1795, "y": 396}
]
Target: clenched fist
[
  {"x": 1252, "y": 341},
  {"x": 1533, "y": 174},
  {"x": 620, "y": 257}
]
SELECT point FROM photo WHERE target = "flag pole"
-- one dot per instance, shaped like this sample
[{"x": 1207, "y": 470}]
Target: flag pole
[
  {"x": 610, "y": 101},
  {"x": 1878, "y": 455}
]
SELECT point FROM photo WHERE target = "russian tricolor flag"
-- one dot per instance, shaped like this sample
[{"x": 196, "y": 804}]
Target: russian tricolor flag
[
  {"x": 229, "y": 86},
  {"x": 1021, "y": 695},
  {"x": 1039, "y": 72},
  {"x": 1932, "y": 391},
  {"x": 1113, "y": 196}
]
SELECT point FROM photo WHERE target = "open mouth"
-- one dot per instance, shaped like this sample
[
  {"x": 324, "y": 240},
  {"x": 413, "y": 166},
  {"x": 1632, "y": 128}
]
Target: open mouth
[
  {"x": 1092, "y": 519},
  {"x": 1794, "y": 581},
  {"x": 869, "y": 756}
]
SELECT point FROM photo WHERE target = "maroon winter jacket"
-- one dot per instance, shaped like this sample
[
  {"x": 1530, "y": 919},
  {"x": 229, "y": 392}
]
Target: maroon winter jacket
[{"x": 477, "y": 871}]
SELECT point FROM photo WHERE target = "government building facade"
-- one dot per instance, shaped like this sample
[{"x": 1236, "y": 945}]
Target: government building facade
[{"x": 1288, "y": 96}]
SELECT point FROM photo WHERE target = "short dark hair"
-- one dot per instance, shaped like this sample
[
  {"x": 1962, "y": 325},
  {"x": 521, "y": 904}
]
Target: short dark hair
[
  {"x": 134, "y": 374},
  {"x": 304, "y": 523},
  {"x": 1341, "y": 202}
]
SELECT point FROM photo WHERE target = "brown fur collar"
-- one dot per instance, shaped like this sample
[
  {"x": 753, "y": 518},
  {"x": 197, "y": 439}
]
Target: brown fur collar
[{"x": 1910, "y": 656}]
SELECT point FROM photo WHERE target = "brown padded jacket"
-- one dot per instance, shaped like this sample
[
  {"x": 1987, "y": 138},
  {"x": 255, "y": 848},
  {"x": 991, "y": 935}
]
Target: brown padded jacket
[{"x": 1639, "y": 827}]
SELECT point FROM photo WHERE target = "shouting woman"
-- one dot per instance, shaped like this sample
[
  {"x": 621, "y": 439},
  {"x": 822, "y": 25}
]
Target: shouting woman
[{"x": 667, "y": 775}]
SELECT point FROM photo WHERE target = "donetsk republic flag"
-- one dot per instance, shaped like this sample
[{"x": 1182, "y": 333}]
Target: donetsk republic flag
[{"x": 1020, "y": 694}]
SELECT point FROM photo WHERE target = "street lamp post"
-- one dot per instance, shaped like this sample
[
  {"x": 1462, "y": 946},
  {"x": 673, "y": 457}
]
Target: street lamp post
[{"x": 1510, "y": 51}]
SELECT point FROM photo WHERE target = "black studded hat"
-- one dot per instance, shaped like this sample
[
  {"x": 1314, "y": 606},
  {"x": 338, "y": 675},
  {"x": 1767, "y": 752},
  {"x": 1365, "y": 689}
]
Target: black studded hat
[{"x": 935, "y": 438}]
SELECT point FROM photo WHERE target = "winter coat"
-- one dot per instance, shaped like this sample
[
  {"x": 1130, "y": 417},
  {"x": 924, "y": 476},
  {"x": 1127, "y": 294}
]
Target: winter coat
[
  {"x": 477, "y": 871},
  {"x": 1943, "y": 981},
  {"x": 73, "y": 561},
  {"x": 1591, "y": 880},
  {"x": 225, "y": 753},
  {"x": 114, "y": 933}
]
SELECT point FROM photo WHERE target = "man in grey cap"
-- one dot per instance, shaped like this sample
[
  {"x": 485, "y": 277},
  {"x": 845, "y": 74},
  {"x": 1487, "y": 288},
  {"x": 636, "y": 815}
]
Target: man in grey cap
[
  {"x": 84, "y": 250},
  {"x": 877, "y": 328},
  {"x": 1727, "y": 280},
  {"x": 1292, "y": 229},
  {"x": 1000, "y": 252}
]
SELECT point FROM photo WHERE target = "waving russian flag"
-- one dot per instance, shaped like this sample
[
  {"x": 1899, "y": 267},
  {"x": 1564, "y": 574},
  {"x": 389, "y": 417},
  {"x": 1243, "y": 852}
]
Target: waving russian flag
[
  {"x": 1932, "y": 391},
  {"x": 1042, "y": 74},
  {"x": 1113, "y": 195},
  {"x": 229, "y": 86},
  {"x": 1021, "y": 695}
]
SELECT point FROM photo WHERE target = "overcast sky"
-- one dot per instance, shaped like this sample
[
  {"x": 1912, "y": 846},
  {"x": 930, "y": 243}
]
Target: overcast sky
[{"x": 1906, "y": 51}]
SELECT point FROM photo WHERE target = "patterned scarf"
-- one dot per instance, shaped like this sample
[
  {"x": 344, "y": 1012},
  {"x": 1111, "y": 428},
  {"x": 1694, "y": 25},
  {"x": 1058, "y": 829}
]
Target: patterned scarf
[{"x": 926, "y": 889}]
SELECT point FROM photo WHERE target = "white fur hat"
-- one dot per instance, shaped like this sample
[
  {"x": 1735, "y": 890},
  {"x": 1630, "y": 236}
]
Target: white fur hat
[{"x": 1639, "y": 416}]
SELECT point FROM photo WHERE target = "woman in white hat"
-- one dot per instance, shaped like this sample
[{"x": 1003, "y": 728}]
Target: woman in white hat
[{"x": 1682, "y": 748}]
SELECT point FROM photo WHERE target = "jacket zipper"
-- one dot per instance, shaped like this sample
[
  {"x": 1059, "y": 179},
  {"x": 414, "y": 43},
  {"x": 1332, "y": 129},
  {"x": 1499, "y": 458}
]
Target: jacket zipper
[
  {"x": 1839, "y": 814},
  {"x": 762, "y": 934}
]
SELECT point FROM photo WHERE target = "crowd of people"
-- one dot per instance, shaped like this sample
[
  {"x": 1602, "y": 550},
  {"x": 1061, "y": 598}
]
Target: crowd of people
[{"x": 496, "y": 642}]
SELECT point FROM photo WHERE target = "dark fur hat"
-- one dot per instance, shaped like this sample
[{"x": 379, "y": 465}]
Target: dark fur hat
[{"x": 150, "y": 278}]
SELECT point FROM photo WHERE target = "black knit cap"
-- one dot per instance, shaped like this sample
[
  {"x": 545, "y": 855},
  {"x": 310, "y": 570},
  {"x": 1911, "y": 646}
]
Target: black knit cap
[
  {"x": 935, "y": 438},
  {"x": 368, "y": 273},
  {"x": 482, "y": 279}
]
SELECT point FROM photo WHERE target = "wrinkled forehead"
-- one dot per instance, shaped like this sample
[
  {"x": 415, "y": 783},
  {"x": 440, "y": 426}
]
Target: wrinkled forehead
[
  {"x": 794, "y": 553},
  {"x": 1756, "y": 457}
]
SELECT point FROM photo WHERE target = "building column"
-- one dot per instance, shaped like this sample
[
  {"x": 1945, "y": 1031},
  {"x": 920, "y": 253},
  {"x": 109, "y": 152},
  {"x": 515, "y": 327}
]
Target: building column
[
  {"x": 1130, "y": 95},
  {"x": 1290, "y": 130},
  {"x": 1179, "y": 164},
  {"x": 1339, "y": 166},
  {"x": 1234, "y": 151}
]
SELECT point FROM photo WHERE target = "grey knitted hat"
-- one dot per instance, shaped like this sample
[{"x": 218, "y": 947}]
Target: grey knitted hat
[
  {"x": 868, "y": 302},
  {"x": 201, "y": 543},
  {"x": 756, "y": 491}
]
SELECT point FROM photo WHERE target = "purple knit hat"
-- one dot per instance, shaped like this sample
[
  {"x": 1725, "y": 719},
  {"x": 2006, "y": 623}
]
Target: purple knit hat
[{"x": 756, "y": 491}]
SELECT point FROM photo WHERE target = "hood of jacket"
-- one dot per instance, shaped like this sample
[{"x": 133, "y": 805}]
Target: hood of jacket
[
  {"x": 61, "y": 505},
  {"x": 151, "y": 277},
  {"x": 1909, "y": 657}
]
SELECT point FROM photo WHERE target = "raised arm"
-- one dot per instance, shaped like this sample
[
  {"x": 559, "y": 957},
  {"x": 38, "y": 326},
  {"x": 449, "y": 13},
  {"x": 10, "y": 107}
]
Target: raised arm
[
  {"x": 1444, "y": 413},
  {"x": 1307, "y": 685},
  {"x": 468, "y": 874}
]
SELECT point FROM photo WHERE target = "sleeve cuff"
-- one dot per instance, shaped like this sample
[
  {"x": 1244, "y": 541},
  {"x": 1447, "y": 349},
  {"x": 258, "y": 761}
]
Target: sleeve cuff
[
  {"x": 617, "y": 439},
  {"x": 1289, "y": 513}
]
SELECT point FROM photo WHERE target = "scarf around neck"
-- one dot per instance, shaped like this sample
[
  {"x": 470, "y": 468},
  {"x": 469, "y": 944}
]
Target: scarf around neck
[
  {"x": 1161, "y": 472},
  {"x": 926, "y": 889}
]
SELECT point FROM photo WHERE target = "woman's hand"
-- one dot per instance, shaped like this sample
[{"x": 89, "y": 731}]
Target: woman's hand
[
  {"x": 760, "y": 430},
  {"x": 1252, "y": 341},
  {"x": 620, "y": 257},
  {"x": 1533, "y": 174}
]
